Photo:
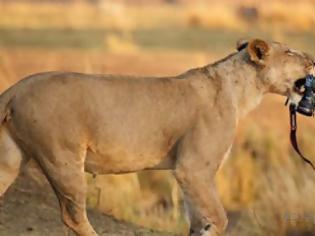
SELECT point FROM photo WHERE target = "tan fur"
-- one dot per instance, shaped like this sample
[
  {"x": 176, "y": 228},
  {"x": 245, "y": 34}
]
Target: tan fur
[{"x": 70, "y": 123}]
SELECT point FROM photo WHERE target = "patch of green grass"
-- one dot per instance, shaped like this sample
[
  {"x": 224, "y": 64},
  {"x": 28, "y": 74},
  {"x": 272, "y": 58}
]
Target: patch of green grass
[
  {"x": 149, "y": 39},
  {"x": 165, "y": 38},
  {"x": 51, "y": 38}
]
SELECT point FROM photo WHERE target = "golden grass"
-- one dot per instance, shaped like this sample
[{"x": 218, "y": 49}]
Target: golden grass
[
  {"x": 214, "y": 16},
  {"x": 84, "y": 16},
  {"x": 291, "y": 16},
  {"x": 124, "y": 44},
  {"x": 272, "y": 15}
]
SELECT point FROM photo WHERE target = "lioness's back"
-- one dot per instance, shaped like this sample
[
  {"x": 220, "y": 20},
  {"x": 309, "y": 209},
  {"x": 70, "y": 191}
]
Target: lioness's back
[{"x": 104, "y": 106}]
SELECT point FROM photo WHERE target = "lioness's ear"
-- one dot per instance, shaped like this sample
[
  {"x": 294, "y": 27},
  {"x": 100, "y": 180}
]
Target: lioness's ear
[
  {"x": 258, "y": 51},
  {"x": 241, "y": 44}
]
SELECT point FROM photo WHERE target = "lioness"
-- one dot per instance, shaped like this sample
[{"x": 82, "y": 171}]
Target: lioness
[{"x": 70, "y": 123}]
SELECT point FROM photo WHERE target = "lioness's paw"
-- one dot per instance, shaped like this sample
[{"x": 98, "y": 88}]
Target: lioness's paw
[{"x": 207, "y": 230}]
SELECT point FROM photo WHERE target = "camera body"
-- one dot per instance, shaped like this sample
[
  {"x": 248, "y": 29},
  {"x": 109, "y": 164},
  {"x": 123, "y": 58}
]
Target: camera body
[{"x": 307, "y": 104}]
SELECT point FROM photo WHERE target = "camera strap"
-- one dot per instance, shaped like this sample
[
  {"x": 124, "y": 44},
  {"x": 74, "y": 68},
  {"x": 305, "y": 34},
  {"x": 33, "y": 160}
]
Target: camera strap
[{"x": 293, "y": 140}]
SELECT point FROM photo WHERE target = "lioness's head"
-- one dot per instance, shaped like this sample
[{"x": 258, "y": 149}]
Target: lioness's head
[{"x": 278, "y": 66}]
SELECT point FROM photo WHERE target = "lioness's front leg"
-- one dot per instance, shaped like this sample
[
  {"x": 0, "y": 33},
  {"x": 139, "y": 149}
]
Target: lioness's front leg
[
  {"x": 206, "y": 213},
  {"x": 199, "y": 157}
]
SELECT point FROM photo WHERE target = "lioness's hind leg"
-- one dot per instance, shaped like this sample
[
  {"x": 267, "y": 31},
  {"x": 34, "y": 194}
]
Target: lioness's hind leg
[
  {"x": 65, "y": 173},
  {"x": 10, "y": 160}
]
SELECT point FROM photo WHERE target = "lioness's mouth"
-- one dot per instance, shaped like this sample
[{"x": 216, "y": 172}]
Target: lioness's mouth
[
  {"x": 298, "y": 86},
  {"x": 297, "y": 92}
]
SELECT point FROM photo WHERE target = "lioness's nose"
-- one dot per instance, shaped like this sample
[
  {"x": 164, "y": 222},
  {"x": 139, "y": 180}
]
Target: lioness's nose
[{"x": 312, "y": 68}]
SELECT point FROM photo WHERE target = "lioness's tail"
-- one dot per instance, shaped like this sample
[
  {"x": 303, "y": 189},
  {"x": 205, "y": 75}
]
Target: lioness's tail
[
  {"x": 11, "y": 156},
  {"x": 5, "y": 99}
]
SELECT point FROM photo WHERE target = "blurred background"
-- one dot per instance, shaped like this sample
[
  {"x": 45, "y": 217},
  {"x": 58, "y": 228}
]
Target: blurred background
[{"x": 264, "y": 186}]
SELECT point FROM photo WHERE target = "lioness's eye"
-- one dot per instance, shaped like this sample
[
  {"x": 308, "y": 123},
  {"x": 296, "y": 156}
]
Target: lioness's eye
[{"x": 289, "y": 52}]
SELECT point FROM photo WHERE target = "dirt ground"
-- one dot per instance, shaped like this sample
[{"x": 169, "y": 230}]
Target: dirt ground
[{"x": 29, "y": 208}]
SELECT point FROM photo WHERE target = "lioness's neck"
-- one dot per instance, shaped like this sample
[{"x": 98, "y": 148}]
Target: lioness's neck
[{"x": 247, "y": 88}]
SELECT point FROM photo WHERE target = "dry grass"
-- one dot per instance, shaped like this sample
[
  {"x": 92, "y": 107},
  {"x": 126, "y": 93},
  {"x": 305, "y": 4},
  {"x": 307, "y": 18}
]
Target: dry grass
[
  {"x": 264, "y": 179},
  {"x": 82, "y": 16},
  {"x": 214, "y": 16},
  {"x": 276, "y": 15},
  {"x": 291, "y": 16}
]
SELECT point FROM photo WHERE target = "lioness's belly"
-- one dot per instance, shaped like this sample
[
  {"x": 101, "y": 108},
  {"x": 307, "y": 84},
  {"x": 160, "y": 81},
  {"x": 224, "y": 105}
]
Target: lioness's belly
[{"x": 120, "y": 160}]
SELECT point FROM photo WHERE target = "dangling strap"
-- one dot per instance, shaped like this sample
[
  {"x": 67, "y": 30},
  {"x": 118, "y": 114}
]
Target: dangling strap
[{"x": 293, "y": 135}]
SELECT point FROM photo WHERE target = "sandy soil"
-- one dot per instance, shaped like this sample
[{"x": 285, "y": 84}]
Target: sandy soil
[{"x": 30, "y": 208}]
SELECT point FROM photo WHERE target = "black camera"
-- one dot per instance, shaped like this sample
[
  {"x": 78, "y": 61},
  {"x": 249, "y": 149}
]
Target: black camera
[
  {"x": 307, "y": 104},
  {"x": 306, "y": 107}
]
